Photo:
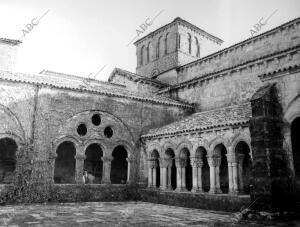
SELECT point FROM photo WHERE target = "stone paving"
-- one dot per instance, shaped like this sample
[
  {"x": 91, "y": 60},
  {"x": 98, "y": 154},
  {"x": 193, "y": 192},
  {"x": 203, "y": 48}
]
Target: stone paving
[{"x": 116, "y": 214}]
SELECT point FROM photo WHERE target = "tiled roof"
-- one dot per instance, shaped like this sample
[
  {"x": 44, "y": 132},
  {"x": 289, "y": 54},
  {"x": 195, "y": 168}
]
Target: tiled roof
[
  {"x": 180, "y": 20},
  {"x": 222, "y": 117},
  {"x": 81, "y": 84},
  {"x": 135, "y": 77}
]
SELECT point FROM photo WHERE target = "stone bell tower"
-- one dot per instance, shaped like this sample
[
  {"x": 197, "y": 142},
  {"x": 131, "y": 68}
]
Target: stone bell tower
[{"x": 173, "y": 45}]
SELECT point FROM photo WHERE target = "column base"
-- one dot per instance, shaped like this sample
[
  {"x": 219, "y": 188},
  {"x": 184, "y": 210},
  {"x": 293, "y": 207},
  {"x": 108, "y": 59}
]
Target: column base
[
  {"x": 215, "y": 191},
  {"x": 197, "y": 190},
  {"x": 234, "y": 192},
  {"x": 105, "y": 182},
  {"x": 181, "y": 190}
]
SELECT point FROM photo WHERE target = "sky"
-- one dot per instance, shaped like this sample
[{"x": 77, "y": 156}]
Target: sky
[{"x": 90, "y": 37}]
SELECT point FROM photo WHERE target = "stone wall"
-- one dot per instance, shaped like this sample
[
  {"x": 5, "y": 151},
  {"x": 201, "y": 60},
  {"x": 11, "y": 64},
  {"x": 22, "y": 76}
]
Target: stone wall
[
  {"x": 38, "y": 116},
  {"x": 199, "y": 201},
  {"x": 278, "y": 39},
  {"x": 234, "y": 85}
]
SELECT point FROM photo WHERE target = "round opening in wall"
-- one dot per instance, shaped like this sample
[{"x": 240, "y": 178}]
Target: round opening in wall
[
  {"x": 81, "y": 130},
  {"x": 108, "y": 132},
  {"x": 96, "y": 119}
]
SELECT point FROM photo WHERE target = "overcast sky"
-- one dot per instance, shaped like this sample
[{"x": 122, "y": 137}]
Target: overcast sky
[{"x": 83, "y": 36}]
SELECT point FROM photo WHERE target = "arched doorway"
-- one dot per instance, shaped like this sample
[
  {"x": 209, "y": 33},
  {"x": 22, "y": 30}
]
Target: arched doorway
[
  {"x": 185, "y": 155},
  {"x": 93, "y": 163},
  {"x": 295, "y": 132},
  {"x": 242, "y": 151},
  {"x": 205, "y": 177},
  {"x": 8, "y": 149},
  {"x": 64, "y": 170},
  {"x": 119, "y": 165},
  {"x": 221, "y": 151},
  {"x": 156, "y": 171},
  {"x": 171, "y": 170}
]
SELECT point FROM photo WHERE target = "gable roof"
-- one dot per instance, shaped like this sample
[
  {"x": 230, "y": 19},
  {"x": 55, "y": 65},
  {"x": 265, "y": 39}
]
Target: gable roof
[
  {"x": 81, "y": 84},
  {"x": 221, "y": 117},
  {"x": 136, "y": 78}
]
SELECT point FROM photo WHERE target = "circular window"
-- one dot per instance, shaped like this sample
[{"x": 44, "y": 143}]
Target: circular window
[
  {"x": 81, "y": 130},
  {"x": 108, "y": 132},
  {"x": 96, "y": 119}
]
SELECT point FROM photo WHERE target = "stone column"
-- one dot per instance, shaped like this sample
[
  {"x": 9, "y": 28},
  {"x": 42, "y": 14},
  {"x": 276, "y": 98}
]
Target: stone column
[
  {"x": 164, "y": 165},
  {"x": 240, "y": 172},
  {"x": 130, "y": 170},
  {"x": 231, "y": 158},
  {"x": 79, "y": 168},
  {"x": 212, "y": 173},
  {"x": 106, "y": 169},
  {"x": 197, "y": 174},
  {"x": 217, "y": 161},
  {"x": 214, "y": 167},
  {"x": 161, "y": 172},
  {"x": 235, "y": 178},
  {"x": 183, "y": 174},
  {"x": 178, "y": 174}
]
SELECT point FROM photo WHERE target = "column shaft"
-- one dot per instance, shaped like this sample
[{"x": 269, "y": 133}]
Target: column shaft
[
  {"x": 195, "y": 179},
  {"x": 234, "y": 176},
  {"x": 154, "y": 177}
]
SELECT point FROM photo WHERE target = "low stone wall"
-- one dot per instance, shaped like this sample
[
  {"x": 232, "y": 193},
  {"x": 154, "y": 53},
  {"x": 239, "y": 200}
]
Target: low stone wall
[
  {"x": 92, "y": 192},
  {"x": 194, "y": 200}
]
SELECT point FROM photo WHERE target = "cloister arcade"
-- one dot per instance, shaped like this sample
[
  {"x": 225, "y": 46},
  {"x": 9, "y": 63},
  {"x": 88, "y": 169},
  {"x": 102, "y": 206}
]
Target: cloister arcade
[
  {"x": 96, "y": 142},
  {"x": 216, "y": 168}
]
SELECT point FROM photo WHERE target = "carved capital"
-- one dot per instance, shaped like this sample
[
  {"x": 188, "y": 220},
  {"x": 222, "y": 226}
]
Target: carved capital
[
  {"x": 196, "y": 162},
  {"x": 107, "y": 158},
  {"x": 231, "y": 158},
  {"x": 164, "y": 162},
  {"x": 80, "y": 156},
  {"x": 214, "y": 161},
  {"x": 130, "y": 159},
  {"x": 180, "y": 163}
]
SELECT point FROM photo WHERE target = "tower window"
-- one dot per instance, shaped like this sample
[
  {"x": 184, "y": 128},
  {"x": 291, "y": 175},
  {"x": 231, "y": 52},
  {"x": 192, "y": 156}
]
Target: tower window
[
  {"x": 190, "y": 43},
  {"x": 142, "y": 55},
  {"x": 148, "y": 53},
  {"x": 158, "y": 47},
  {"x": 198, "y": 48},
  {"x": 166, "y": 43},
  {"x": 178, "y": 42}
]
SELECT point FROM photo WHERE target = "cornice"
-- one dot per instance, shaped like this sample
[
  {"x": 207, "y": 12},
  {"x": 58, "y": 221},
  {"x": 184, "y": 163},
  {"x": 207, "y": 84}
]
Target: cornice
[{"x": 228, "y": 70}]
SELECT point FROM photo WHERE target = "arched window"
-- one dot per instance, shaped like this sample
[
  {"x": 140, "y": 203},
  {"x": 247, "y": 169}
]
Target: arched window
[
  {"x": 158, "y": 47},
  {"x": 244, "y": 166},
  {"x": 171, "y": 170},
  {"x": 64, "y": 170},
  {"x": 221, "y": 152},
  {"x": 190, "y": 43},
  {"x": 198, "y": 47},
  {"x": 142, "y": 55},
  {"x": 186, "y": 168},
  {"x": 93, "y": 162},
  {"x": 148, "y": 52},
  {"x": 8, "y": 148},
  {"x": 118, "y": 174},
  {"x": 178, "y": 42},
  {"x": 156, "y": 169},
  {"x": 166, "y": 43}
]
